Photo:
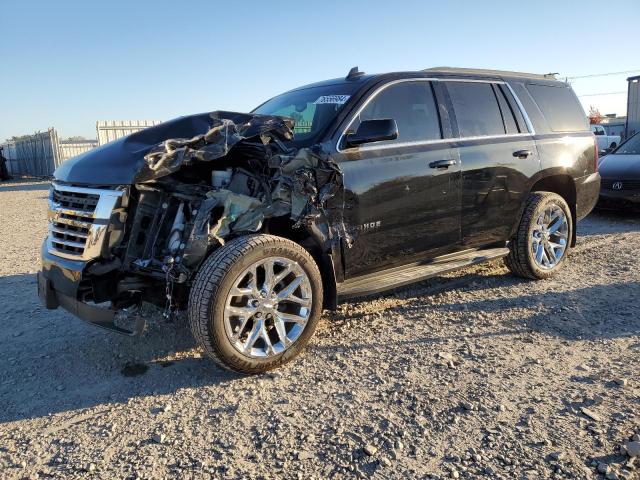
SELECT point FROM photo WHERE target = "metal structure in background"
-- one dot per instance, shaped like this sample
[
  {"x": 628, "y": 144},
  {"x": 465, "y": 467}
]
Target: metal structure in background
[
  {"x": 69, "y": 149},
  {"x": 38, "y": 155},
  {"x": 108, "y": 130},
  {"x": 633, "y": 106},
  {"x": 34, "y": 155}
]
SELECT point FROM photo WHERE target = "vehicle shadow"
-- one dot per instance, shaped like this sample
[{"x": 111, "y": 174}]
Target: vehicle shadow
[
  {"x": 22, "y": 185},
  {"x": 573, "y": 315},
  {"x": 52, "y": 362},
  {"x": 601, "y": 222}
]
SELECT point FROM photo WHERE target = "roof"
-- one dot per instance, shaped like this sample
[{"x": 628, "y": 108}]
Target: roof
[
  {"x": 336, "y": 81},
  {"x": 469, "y": 72},
  {"x": 490, "y": 73}
]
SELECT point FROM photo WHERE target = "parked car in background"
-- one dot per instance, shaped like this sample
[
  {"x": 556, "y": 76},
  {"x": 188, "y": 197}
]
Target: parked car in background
[
  {"x": 606, "y": 142},
  {"x": 620, "y": 171},
  {"x": 344, "y": 188}
]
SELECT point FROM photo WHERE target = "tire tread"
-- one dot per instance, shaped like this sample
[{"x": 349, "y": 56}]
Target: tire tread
[
  {"x": 207, "y": 283},
  {"x": 518, "y": 259}
]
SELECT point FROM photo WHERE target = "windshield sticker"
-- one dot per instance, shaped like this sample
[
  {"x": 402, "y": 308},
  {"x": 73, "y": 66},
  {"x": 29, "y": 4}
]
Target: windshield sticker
[{"x": 332, "y": 99}]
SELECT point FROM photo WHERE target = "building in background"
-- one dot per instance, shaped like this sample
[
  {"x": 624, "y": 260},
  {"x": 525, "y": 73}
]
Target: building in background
[
  {"x": 109, "y": 130},
  {"x": 615, "y": 125},
  {"x": 38, "y": 155},
  {"x": 71, "y": 148},
  {"x": 633, "y": 106}
]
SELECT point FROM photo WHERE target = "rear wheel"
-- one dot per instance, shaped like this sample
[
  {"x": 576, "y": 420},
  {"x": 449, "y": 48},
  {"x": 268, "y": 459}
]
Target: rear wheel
[
  {"x": 540, "y": 245},
  {"x": 255, "y": 303}
]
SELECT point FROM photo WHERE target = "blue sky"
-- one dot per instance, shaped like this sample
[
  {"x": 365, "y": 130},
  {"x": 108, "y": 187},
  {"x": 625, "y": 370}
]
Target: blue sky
[{"x": 67, "y": 64}]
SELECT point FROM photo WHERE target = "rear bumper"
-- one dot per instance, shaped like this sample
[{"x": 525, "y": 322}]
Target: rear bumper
[
  {"x": 58, "y": 283},
  {"x": 587, "y": 192}
]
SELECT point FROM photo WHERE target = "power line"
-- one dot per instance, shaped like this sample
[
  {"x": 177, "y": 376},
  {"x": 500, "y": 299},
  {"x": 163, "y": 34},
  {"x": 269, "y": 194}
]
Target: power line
[
  {"x": 604, "y": 74},
  {"x": 597, "y": 94}
]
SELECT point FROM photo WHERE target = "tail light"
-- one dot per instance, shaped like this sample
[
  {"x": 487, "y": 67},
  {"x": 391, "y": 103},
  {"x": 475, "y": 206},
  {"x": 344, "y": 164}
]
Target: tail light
[{"x": 595, "y": 153}]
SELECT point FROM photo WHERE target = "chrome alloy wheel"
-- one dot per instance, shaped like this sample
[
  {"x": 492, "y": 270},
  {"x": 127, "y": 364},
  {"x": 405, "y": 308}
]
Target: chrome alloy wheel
[
  {"x": 268, "y": 307},
  {"x": 549, "y": 237}
]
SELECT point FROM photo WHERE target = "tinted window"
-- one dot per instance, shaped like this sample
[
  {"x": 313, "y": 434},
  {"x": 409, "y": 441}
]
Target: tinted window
[
  {"x": 508, "y": 119},
  {"x": 522, "y": 125},
  {"x": 560, "y": 107},
  {"x": 476, "y": 109},
  {"x": 411, "y": 105}
]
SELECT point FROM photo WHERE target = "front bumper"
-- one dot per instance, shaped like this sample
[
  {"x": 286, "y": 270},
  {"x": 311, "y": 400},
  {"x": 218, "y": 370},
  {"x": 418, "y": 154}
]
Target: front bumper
[
  {"x": 610, "y": 199},
  {"x": 58, "y": 283}
]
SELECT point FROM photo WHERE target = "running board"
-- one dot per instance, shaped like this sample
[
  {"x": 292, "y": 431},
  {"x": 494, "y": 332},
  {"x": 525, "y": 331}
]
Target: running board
[{"x": 415, "y": 272}]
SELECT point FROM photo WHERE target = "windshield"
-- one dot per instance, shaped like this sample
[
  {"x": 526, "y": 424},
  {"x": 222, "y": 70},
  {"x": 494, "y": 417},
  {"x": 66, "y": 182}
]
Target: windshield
[
  {"x": 312, "y": 109},
  {"x": 630, "y": 147}
]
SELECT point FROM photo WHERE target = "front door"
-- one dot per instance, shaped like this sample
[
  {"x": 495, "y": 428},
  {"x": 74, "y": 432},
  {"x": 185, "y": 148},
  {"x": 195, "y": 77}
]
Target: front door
[{"x": 402, "y": 197}]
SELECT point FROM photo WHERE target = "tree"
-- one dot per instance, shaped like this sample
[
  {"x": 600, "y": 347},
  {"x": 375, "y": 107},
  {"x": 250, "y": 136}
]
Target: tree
[
  {"x": 595, "y": 117},
  {"x": 17, "y": 138},
  {"x": 77, "y": 138}
]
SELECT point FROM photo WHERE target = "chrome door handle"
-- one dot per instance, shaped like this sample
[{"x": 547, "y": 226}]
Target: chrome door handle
[
  {"x": 442, "y": 164},
  {"x": 522, "y": 153}
]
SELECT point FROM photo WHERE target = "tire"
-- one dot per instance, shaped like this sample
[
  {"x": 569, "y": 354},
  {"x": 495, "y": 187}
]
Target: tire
[
  {"x": 613, "y": 145},
  {"x": 212, "y": 303},
  {"x": 521, "y": 260}
]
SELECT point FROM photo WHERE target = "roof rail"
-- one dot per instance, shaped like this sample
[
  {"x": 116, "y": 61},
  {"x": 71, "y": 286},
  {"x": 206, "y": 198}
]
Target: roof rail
[{"x": 495, "y": 73}]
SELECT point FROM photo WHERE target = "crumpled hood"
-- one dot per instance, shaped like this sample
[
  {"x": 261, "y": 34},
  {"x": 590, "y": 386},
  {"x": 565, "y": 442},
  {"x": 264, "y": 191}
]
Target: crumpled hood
[
  {"x": 619, "y": 167},
  {"x": 144, "y": 155}
]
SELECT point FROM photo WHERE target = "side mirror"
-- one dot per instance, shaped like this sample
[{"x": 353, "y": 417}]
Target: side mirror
[{"x": 374, "y": 131}]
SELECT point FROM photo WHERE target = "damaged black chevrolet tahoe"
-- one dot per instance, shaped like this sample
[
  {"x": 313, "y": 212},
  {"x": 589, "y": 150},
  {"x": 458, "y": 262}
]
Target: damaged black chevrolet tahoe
[{"x": 255, "y": 222}]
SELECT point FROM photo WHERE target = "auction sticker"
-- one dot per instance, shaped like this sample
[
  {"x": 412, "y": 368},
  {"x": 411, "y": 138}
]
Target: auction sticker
[{"x": 332, "y": 99}]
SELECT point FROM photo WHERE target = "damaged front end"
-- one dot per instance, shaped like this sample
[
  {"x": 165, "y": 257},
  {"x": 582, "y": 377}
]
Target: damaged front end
[{"x": 185, "y": 188}]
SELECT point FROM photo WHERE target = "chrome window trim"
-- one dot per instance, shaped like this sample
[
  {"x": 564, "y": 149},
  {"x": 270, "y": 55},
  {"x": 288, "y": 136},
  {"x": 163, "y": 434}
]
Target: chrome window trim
[
  {"x": 527, "y": 120},
  {"x": 432, "y": 142}
]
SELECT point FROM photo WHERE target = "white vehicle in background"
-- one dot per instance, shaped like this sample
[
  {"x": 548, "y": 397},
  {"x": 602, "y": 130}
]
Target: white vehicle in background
[{"x": 605, "y": 142}]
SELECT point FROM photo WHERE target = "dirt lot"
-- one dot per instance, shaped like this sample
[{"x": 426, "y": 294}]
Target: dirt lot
[{"x": 476, "y": 374}]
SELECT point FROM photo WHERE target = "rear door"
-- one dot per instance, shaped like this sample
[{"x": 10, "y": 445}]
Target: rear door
[
  {"x": 498, "y": 156},
  {"x": 401, "y": 205}
]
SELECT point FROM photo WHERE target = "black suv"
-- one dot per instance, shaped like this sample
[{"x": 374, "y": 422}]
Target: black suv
[{"x": 255, "y": 222}]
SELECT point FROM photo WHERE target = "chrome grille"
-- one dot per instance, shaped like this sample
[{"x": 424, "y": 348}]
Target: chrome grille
[{"x": 78, "y": 220}]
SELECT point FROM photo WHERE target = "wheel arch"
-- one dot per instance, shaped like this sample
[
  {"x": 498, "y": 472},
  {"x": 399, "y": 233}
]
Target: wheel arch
[
  {"x": 565, "y": 186},
  {"x": 314, "y": 239}
]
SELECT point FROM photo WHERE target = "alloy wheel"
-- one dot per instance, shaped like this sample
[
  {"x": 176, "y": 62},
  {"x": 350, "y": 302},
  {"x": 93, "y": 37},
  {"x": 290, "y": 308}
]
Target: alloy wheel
[
  {"x": 549, "y": 237},
  {"x": 268, "y": 307}
]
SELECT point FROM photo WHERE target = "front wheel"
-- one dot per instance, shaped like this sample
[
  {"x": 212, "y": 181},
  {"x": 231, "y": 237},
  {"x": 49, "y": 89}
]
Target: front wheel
[
  {"x": 541, "y": 243},
  {"x": 255, "y": 303}
]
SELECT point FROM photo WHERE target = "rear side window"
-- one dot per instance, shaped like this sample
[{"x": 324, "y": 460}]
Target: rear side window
[
  {"x": 476, "y": 109},
  {"x": 411, "y": 105},
  {"x": 560, "y": 107},
  {"x": 515, "y": 109},
  {"x": 508, "y": 118}
]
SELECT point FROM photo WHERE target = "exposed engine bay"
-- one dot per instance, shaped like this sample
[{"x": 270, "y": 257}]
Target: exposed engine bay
[{"x": 190, "y": 195}]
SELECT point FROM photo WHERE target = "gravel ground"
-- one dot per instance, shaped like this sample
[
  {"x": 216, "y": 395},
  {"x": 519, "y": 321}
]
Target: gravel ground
[{"x": 474, "y": 374}]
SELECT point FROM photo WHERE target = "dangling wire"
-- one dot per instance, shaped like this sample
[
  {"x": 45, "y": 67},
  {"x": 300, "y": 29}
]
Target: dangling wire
[{"x": 170, "y": 308}]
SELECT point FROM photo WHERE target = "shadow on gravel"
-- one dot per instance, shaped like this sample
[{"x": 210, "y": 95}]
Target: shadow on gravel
[
  {"x": 601, "y": 222},
  {"x": 583, "y": 314},
  {"x": 22, "y": 187},
  {"x": 52, "y": 362}
]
